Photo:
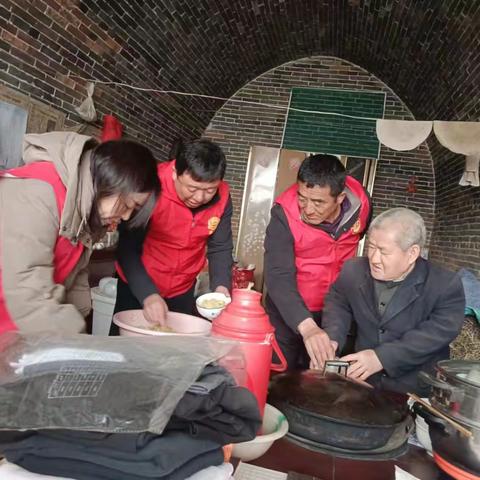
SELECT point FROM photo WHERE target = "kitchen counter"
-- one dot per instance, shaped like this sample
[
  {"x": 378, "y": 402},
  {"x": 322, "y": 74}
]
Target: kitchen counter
[{"x": 286, "y": 456}]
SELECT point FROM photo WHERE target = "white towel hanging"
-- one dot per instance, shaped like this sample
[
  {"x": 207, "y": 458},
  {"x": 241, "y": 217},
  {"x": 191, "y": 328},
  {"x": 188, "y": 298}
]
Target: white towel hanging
[
  {"x": 402, "y": 135},
  {"x": 470, "y": 175},
  {"x": 459, "y": 137},
  {"x": 463, "y": 138}
]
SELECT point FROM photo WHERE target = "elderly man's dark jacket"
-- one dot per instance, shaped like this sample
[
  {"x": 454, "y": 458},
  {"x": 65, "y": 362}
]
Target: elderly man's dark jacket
[{"x": 425, "y": 314}]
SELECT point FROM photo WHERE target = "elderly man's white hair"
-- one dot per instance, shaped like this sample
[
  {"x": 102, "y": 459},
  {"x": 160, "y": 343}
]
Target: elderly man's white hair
[{"x": 408, "y": 224}]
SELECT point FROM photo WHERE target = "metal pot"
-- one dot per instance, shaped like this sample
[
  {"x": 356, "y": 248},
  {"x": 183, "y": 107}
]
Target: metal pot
[
  {"x": 456, "y": 390},
  {"x": 451, "y": 445},
  {"x": 456, "y": 394}
]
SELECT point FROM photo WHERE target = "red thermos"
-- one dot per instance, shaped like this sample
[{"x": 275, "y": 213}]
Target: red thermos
[{"x": 245, "y": 320}]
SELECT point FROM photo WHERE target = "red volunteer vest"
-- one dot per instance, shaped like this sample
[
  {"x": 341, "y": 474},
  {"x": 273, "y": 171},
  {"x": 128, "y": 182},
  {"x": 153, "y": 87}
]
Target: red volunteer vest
[
  {"x": 66, "y": 255},
  {"x": 174, "y": 250},
  {"x": 319, "y": 257}
]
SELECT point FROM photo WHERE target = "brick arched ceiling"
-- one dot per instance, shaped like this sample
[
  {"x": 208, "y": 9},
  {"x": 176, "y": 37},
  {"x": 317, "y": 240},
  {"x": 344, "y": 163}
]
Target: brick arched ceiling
[{"x": 427, "y": 51}]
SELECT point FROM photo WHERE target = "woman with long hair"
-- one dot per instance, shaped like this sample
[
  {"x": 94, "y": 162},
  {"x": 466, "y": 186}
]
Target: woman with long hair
[{"x": 52, "y": 210}]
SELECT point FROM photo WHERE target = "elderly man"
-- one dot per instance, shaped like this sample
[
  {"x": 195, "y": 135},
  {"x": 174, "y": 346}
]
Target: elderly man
[{"x": 407, "y": 310}]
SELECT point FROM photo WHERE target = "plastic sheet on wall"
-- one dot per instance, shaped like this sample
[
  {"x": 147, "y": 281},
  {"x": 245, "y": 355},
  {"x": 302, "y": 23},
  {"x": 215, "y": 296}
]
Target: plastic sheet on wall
[{"x": 13, "y": 124}]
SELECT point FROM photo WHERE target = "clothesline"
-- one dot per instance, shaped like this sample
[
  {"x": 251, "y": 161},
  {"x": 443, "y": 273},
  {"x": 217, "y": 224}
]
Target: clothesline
[
  {"x": 401, "y": 135},
  {"x": 213, "y": 97},
  {"x": 224, "y": 99}
]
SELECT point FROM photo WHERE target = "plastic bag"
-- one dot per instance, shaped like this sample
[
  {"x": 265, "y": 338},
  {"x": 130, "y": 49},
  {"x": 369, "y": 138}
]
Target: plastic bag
[
  {"x": 108, "y": 384},
  {"x": 242, "y": 276},
  {"x": 112, "y": 129},
  {"x": 87, "y": 109}
]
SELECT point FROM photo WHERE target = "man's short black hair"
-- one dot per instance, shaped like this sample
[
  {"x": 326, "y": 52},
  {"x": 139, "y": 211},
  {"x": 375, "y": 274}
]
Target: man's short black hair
[
  {"x": 323, "y": 170},
  {"x": 202, "y": 159}
]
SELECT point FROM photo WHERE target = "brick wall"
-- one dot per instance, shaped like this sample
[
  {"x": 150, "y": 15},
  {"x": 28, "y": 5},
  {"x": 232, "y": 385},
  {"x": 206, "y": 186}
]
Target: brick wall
[
  {"x": 456, "y": 237},
  {"x": 45, "y": 43},
  {"x": 236, "y": 127}
]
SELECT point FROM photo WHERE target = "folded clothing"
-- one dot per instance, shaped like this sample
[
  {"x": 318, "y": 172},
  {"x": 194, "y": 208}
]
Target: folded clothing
[
  {"x": 79, "y": 470},
  {"x": 213, "y": 412},
  {"x": 228, "y": 414},
  {"x": 211, "y": 377},
  {"x": 93, "y": 455}
]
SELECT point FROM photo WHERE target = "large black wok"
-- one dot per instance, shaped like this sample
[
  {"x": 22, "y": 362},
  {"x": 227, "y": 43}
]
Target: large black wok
[{"x": 335, "y": 411}]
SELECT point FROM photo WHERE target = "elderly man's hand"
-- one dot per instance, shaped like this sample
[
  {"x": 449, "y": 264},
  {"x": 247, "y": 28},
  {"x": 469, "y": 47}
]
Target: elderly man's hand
[
  {"x": 317, "y": 342},
  {"x": 365, "y": 364}
]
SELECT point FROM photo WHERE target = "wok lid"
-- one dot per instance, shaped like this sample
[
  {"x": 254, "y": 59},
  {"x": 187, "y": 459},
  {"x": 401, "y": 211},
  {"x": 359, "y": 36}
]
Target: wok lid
[{"x": 337, "y": 397}]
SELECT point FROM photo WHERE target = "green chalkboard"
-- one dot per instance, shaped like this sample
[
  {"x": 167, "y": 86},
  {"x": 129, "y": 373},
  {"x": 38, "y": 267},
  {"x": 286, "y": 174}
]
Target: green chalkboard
[{"x": 323, "y": 133}]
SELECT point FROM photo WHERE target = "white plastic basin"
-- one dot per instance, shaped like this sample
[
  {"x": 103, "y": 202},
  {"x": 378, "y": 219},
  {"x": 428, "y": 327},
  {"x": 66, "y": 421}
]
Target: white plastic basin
[
  {"x": 274, "y": 427},
  {"x": 133, "y": 323}
]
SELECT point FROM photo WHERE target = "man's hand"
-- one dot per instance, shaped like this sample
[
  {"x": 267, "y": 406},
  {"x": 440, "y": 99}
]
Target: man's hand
[
  {"x": 224, "y": 290},
  {"x": 318, "y": 344},
  {"x": 366, "y": 363},
  {"x": 155, "y": 309},
  {"x": 334, "y": 345}
]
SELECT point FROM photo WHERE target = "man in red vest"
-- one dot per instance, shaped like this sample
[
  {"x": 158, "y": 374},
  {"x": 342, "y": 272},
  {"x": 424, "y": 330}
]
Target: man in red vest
[
  {"x": 315, "y": 226},
  {"x": 191, "y": 223}
]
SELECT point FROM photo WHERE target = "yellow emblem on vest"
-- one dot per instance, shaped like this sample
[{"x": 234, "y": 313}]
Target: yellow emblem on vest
[
  {"x": 213, "y": 224},
  {"x": 357, "y": 226}
]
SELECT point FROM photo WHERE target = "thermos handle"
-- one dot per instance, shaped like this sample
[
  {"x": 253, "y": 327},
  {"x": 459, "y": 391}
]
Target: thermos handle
[{"x": 282, "y": 366}]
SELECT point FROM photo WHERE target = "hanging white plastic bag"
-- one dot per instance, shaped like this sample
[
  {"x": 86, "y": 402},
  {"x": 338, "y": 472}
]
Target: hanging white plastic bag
[
  {"x": 108, "y": 384},
  {"x": 87, "y": 109}
]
